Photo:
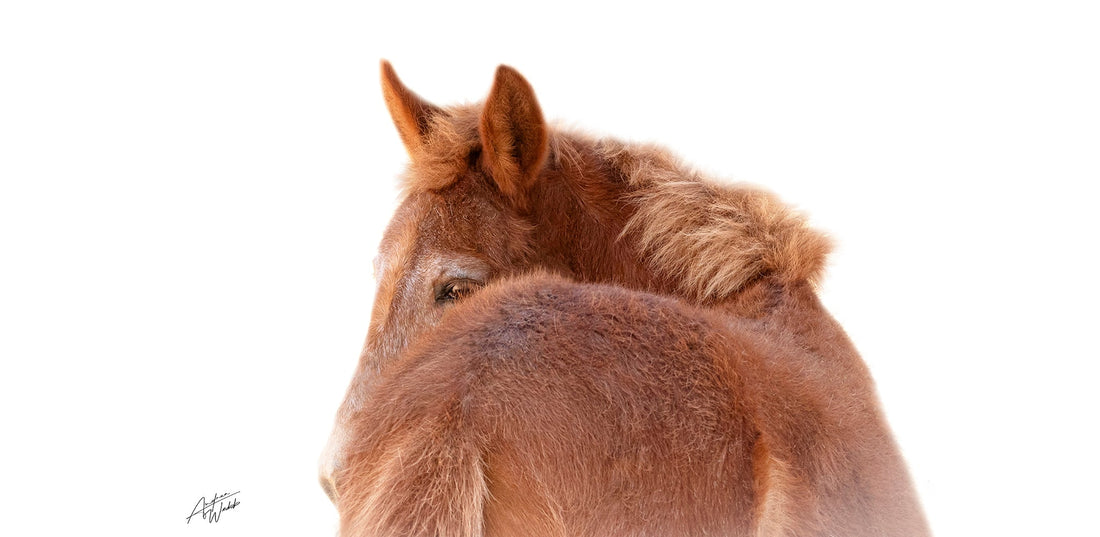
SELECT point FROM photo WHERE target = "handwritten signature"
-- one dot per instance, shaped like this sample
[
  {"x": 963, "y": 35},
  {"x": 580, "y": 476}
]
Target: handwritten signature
[{"x": 212, "y": 510}]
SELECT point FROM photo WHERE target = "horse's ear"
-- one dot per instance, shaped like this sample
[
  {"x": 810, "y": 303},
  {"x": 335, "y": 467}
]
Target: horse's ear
[
  {"x": 411, "y": 114},
  {"x": 514, "y": 137}
]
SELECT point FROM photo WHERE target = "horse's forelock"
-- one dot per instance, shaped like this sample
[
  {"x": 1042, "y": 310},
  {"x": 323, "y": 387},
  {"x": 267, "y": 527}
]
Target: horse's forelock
[{"x": 445, "y": 157}]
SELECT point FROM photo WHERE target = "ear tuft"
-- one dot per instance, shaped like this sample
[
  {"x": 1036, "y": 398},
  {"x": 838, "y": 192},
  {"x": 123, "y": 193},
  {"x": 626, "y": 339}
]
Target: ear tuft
[
  {"x": 514, "y": 136},
  {"x": 411, "y": 114}
]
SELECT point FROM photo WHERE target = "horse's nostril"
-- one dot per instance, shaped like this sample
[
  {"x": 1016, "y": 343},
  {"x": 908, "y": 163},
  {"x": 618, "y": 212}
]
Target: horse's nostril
[
  {"x": 330, "y": 462},
  {"x": 328, "y": 486}
]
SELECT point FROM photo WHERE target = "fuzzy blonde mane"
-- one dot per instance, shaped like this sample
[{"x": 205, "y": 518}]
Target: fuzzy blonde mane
[
  {"x": 712, "y": 238},
  {"x": 708, "y": 237}
]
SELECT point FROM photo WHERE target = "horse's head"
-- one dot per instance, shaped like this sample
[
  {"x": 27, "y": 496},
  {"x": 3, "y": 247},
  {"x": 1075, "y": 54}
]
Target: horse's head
[{"x": 460, "y": 225}]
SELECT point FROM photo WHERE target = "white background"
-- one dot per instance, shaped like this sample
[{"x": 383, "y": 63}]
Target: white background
[{"x": 192, "y": 193}]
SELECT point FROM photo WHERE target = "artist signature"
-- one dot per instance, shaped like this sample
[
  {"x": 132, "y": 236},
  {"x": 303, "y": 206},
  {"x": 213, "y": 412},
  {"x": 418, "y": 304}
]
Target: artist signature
[{"x": 212, "y": 510}]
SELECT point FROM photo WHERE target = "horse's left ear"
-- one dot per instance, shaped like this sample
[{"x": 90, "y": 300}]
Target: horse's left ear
[
  {"x": 514, "y": 137},
  {"x": 411, "y": 114}
]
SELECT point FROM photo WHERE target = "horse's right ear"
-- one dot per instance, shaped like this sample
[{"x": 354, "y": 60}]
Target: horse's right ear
[
  {"x": 411, "y": 114},
  {"x": 514, "y": 136}
]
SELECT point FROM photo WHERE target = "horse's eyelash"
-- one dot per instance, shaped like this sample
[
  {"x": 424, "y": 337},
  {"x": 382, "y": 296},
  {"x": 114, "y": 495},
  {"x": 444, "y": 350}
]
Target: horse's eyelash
[{"x": 447, "y": 292}]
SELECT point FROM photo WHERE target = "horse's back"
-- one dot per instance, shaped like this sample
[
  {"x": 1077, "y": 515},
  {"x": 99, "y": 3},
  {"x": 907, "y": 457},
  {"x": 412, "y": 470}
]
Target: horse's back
[
  {"x": 612, "y": 413},
  {"x": 554, "y": 408}
]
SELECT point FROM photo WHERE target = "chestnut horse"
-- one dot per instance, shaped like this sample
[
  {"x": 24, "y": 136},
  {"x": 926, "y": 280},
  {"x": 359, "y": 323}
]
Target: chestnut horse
[{"x": 581, "y": 337}]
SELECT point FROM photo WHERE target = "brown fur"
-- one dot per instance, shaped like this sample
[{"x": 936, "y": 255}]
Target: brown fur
[{"x": 585, "y": 337}]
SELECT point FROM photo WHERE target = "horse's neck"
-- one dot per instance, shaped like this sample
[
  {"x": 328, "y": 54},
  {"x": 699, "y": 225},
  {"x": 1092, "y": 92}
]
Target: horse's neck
[
  {"x": 580, "y": 220},
  {"x": 791, "y": 315},
  {"x": 577, "y": 228}
]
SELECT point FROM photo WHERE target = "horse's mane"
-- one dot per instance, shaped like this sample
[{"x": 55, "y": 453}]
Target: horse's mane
[
  {"x": 709, "y": 237},
  {"x": 712, "y": 238}
]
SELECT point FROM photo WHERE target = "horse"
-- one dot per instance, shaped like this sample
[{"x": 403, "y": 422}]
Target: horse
[{"x": 579, "y": 336}]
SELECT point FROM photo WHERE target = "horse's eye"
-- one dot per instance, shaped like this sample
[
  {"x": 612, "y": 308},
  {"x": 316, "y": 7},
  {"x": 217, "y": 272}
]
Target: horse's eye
[{"x": 454, "y": 290}]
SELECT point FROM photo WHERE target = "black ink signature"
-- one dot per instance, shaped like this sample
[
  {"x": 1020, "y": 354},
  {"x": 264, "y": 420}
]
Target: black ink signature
[{"x": 212, "y": 510}]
